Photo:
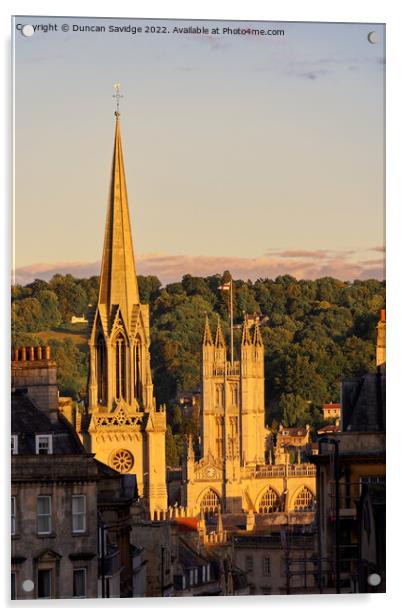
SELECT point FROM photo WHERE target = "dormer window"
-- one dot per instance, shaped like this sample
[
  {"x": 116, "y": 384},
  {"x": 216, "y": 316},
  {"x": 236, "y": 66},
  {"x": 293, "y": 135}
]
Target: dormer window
[
  {"x": 44, "y": 444},
  {"x": 14, "y": 444}
]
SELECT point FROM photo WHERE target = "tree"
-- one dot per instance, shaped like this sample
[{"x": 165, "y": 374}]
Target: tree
[
  {"x": 172, "y": 454},
  {"x": 293, "y": 410},
  {"x": 71, "y": 367},
  {"x": 50, "y": 314},
  {"x": 71, "y": 295},
  {"x": 149, "y": 287},
  {"x": 26, "y": 315}
]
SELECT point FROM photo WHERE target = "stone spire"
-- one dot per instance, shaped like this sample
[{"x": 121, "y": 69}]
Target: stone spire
[
  {"x": 257, "y": 339},
  {"x": 190, "y": 448},
  {"x": 219, "y": 339},
  {"x": 207, "y": 338},
  {"x": 118, "y": 283},
  {"x": 245, "y": 338}
]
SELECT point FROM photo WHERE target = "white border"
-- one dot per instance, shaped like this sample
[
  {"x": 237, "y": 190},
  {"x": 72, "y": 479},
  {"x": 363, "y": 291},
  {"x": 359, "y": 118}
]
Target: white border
[{"x": 290, "y": 10}]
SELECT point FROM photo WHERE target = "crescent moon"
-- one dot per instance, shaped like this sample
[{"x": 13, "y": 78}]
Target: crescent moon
[{"x": 373, "y": 37}]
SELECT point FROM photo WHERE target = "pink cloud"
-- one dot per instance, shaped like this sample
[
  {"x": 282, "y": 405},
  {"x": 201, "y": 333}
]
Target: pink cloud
[
  {"x": 377, "y": 249},
  {"x": 171, "y": 268},
  {"x": 301, "y": 253}
]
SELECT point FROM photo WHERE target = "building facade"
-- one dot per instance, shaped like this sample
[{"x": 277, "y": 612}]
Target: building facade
[
  {"x": 70, "y": 515},
  {"x": 351, "y": 486},
  {"x": 232, "y": 474},
  {"x": 122, "y": 425}
]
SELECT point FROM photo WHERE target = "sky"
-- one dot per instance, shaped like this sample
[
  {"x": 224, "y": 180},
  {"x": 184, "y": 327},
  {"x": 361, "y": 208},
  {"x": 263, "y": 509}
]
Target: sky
[{"x": 261, "y": 155}]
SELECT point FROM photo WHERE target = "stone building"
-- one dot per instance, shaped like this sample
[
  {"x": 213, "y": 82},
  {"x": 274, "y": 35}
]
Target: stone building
[
  {"x": 278, "y": 562},
  {"x": 122, "y": 425},
  {"x": 70, "y": 515},
  {"x": 232, "y": 474},
  {"x": 351, "y": 485}
]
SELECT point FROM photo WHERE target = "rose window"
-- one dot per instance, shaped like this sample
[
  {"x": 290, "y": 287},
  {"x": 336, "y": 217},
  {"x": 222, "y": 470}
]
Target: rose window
[{"x": 122, "y": 461}]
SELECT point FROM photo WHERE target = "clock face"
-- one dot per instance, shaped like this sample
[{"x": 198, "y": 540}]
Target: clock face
[{"x": 210, "y": 472}]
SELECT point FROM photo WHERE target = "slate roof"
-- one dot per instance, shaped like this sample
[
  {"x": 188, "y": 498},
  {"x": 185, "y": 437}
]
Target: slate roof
[
  {"x": 363, "y": 403},
  {"x": 189, "y": 558},
  {"x": 27, "y": 421}
]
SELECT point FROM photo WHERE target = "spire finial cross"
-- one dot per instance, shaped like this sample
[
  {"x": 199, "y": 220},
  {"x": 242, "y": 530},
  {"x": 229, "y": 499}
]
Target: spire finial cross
[{"x": 117, "y": 96}]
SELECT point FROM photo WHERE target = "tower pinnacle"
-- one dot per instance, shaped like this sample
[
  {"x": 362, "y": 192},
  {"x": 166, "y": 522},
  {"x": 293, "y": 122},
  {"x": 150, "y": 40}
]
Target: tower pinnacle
[
  {"x": 245, "y": 338},
  {"x": 219, "y": 339},
  {"x": 207, "y": 338}
]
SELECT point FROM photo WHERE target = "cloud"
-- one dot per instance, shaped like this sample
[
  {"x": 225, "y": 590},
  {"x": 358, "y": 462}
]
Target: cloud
[
  {"x": 312, "y": 68},
  {"x": 376, "y": 249},
  {"x": 316, "y": 254},
  {"x": 170, "y": 268}
]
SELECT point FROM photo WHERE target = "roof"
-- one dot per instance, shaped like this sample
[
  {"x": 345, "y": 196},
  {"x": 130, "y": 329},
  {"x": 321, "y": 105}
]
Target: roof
[
  {"x": 363, "y": 403},
  {"x": 332, "y": 405},
  {"x": 187, "y": 524},
  {"x": 27, "y": 421},
  {"x": 293, "y": 432},
  {"x": 328, "y": 429},
  {"x": 188, "y": 557}
]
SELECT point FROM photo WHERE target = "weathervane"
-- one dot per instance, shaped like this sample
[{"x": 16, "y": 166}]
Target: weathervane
[{"x": 117, "y": 96}]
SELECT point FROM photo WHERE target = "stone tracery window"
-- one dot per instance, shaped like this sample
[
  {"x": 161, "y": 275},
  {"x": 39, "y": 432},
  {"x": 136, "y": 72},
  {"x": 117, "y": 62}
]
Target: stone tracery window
[
  {"x": 122, "y": 461},
  {"x": 137, "y": 369},
  {"x": 219, "y": 395},
  {"x": 269, "y": 502},
  {"x": 101, "y": 369},
  {"x": 210, "y": 502},
  {"x": 304, "y": 500},
  {"x": 120, "y": 362},
  {"x": 219, "y": 437}
]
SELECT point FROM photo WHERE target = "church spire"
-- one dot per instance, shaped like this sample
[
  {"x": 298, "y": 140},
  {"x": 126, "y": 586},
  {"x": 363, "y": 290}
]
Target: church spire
[{"x": 118, "y": 283}]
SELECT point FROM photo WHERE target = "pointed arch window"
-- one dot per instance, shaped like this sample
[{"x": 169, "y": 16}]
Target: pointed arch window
[
  {"x": 219, "y": 395},
  {"x": 304, "y": 500},
  {"x": 137, "y": 369},
  {"x": 219, "y": 437},
  {"x": 120, "y": 362},
  {"x": 269, "y": 502},
  {"x": 210, "y": 503},
  {"x": 235, "y": 395},
  {"x": 101, "y": 369}
]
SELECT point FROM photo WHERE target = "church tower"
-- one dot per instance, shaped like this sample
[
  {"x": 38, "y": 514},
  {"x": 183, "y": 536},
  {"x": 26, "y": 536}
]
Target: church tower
[{"x": 124, "y": 429}]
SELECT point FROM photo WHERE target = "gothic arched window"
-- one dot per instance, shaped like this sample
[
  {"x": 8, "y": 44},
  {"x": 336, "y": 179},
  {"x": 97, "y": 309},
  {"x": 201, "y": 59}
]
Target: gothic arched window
[
  {"x": 210, "y": 502},
  {"x": 101, "y": 369},
  {"x": 304, "y": 500},
  {"x": 120, "y": 361},
  {"x": 219, "y": 437},
  {"x": 235, "y": 395},
  {"x": 269, "y": 502},
  {"x": 137, "y": 368},
  {"x": 219, "y": 395}
]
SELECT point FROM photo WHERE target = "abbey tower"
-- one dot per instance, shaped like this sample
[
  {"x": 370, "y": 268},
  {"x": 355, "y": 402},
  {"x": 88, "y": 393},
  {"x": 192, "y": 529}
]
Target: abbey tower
[{"x": 233, "y": 475}]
